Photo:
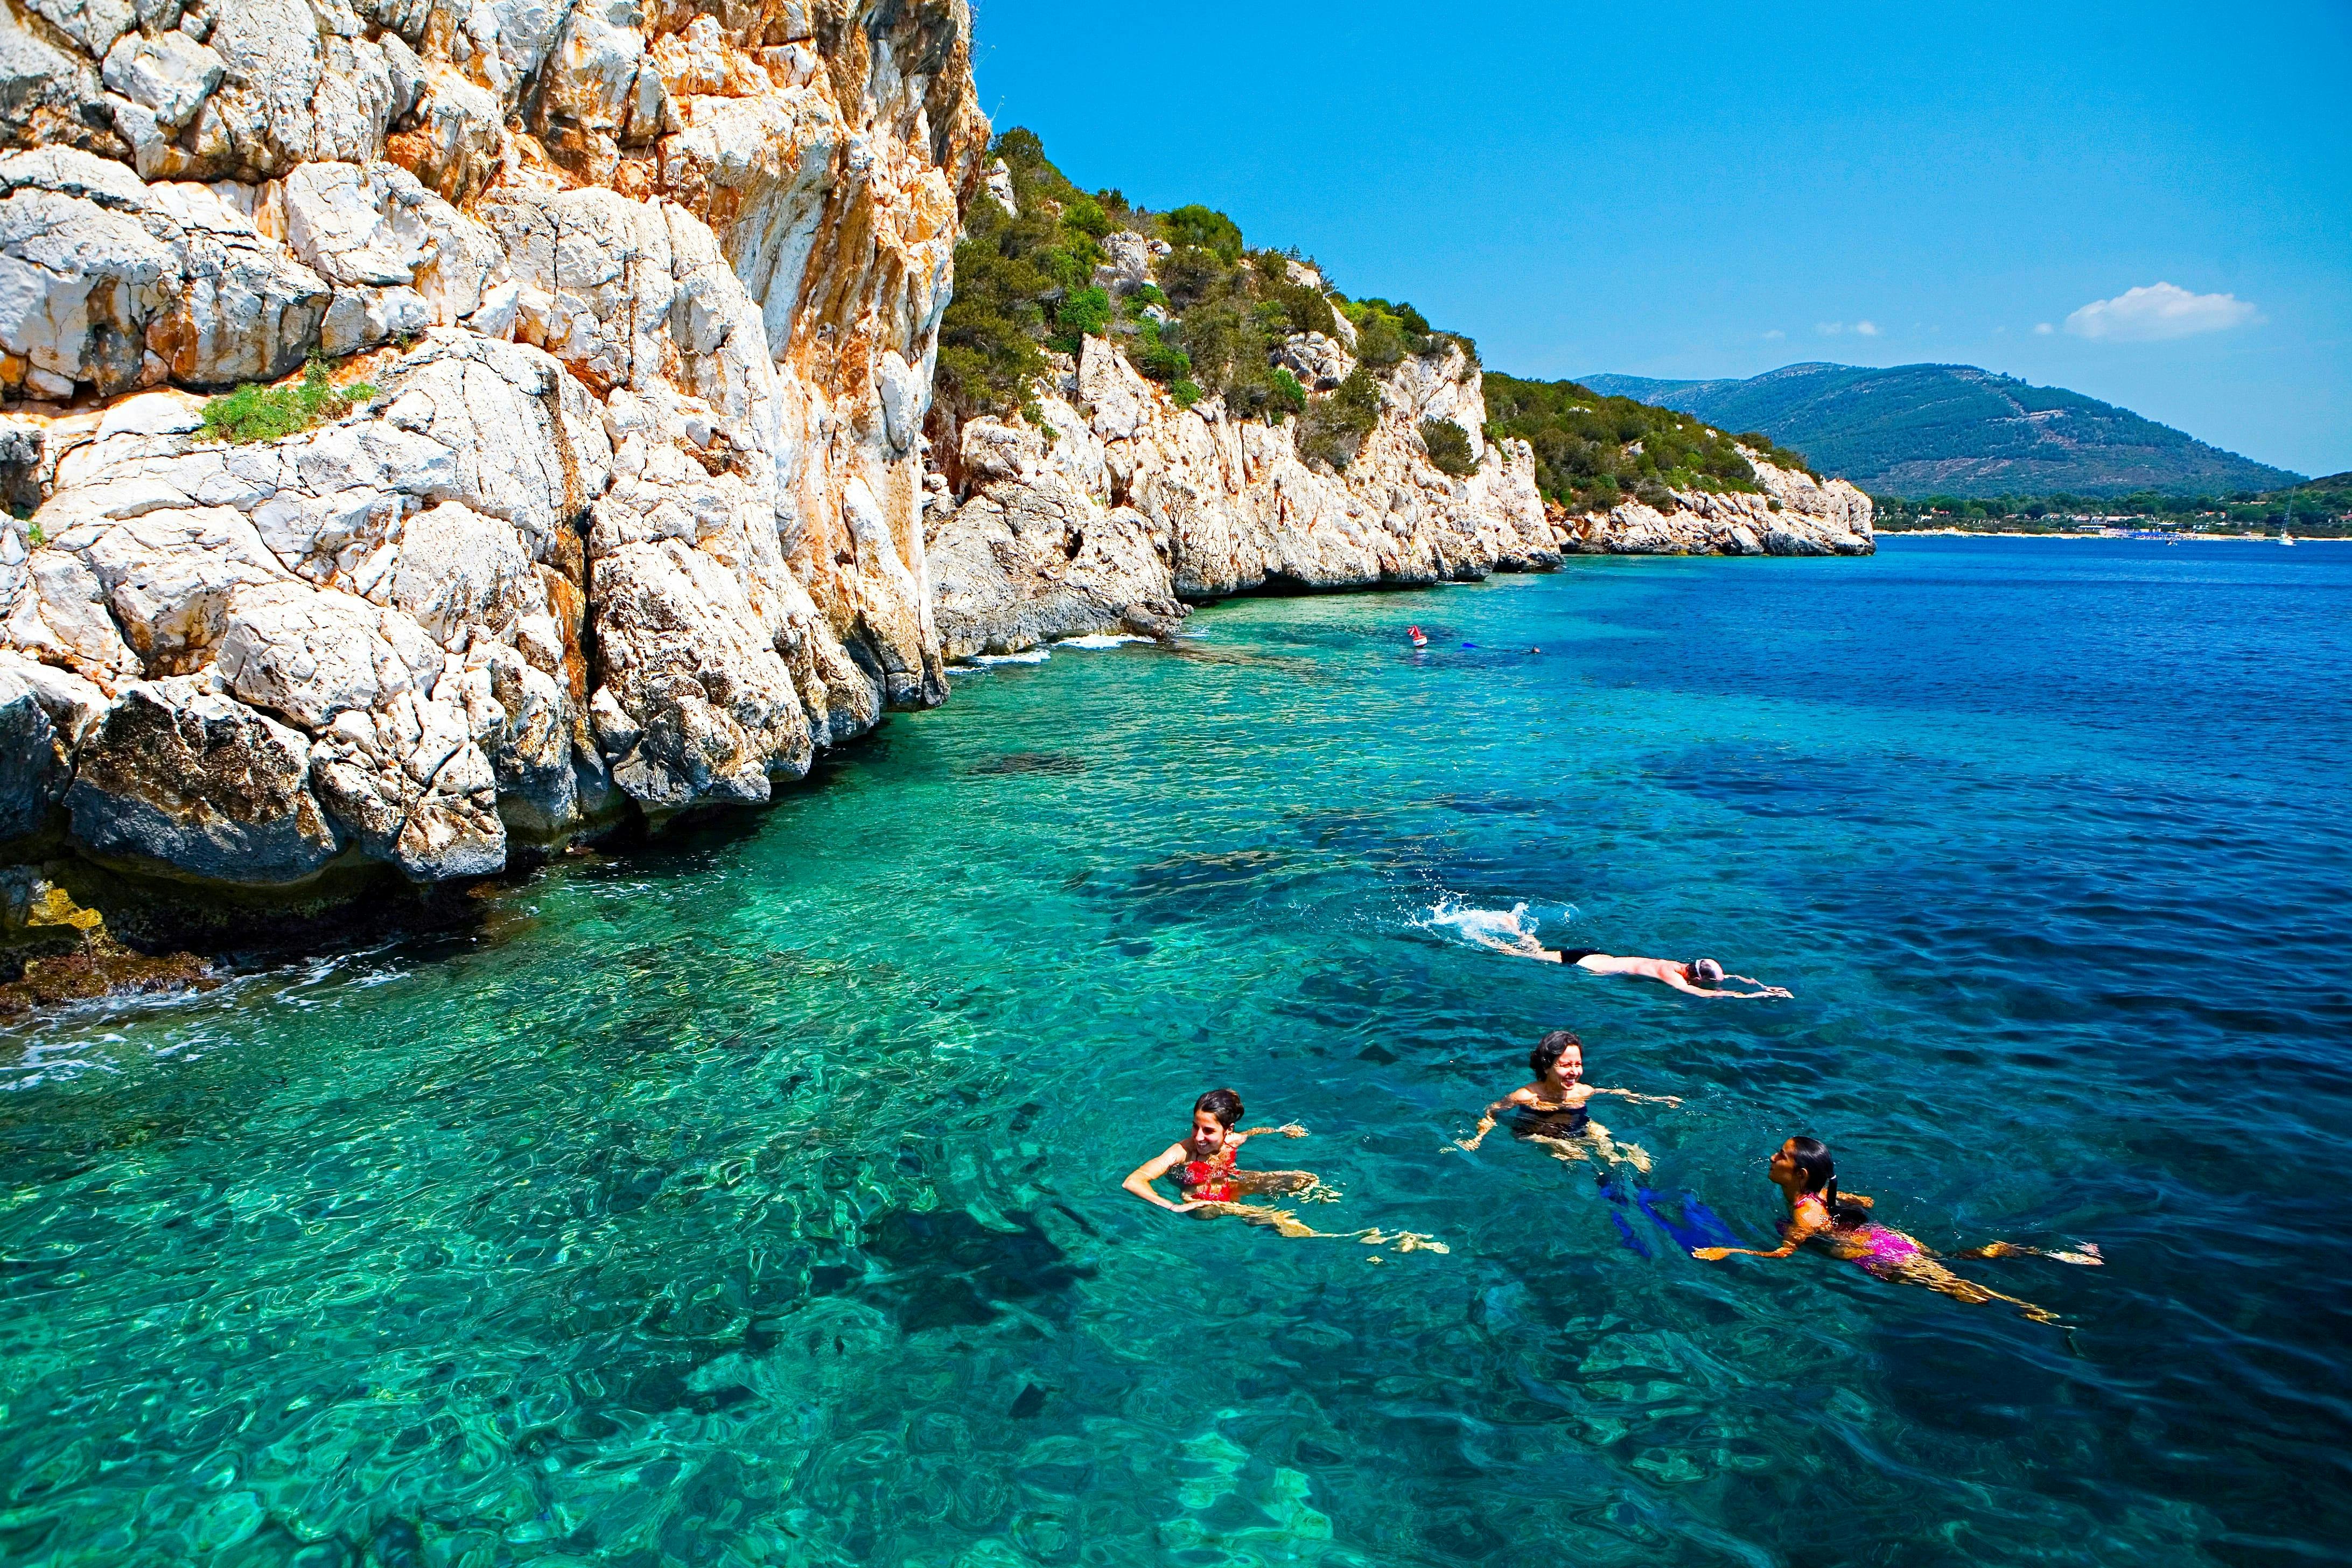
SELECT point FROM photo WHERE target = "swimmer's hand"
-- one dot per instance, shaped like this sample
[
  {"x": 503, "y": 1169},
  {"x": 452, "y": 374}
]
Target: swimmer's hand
[
  {"x": 1291, "y": 1130},
  {"x": 1471, "y": 1146},
  {"x": 1188, "y": 1205},
  {"x": 1712, "y": 1254}
]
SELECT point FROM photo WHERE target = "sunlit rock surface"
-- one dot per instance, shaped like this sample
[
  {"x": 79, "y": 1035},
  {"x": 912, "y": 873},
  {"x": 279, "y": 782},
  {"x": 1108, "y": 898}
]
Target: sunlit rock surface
[{"x": 632, "y": 520}]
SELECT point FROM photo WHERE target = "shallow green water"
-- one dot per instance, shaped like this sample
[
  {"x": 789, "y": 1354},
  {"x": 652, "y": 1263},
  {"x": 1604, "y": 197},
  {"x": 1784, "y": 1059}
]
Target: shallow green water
[{"x": 754, "y": 1199}]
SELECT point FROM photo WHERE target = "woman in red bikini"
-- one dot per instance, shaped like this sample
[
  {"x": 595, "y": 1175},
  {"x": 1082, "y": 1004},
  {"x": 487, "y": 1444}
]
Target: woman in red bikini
[
  {"x": 1807, "y": 1178},
  {"x": 1203, "y": 1165}
]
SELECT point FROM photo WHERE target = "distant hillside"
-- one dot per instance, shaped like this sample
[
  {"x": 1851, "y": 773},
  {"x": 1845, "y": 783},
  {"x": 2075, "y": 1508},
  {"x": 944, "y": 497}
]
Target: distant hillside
[{"x": 1952, "y": 429}]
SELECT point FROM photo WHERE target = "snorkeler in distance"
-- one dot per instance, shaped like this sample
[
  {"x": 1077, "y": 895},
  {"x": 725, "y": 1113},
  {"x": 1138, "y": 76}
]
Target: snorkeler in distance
[
  {"x": 1554, "y": 1107},
  {"x": 1692, "y": 978},
  {"x": 1801, "y": 1168}
]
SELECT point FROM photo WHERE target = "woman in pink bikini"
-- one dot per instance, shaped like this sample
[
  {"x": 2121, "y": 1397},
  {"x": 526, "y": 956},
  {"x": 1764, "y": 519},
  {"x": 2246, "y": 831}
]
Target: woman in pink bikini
[{"x": 1807, "y": 1178}]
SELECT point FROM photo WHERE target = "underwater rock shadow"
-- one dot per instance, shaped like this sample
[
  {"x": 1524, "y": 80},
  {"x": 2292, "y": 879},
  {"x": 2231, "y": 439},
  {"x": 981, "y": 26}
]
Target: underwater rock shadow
[{"x": 947, "y": 1270}]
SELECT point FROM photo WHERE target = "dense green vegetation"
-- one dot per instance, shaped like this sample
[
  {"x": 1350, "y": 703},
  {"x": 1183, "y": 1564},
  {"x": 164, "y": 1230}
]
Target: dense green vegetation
[
  {"x": 1594, "y": 451},
  {"x": 1921, "y": 430},
  {"x": 1212, "y": 323},
  {"x": 255, "y": 412},
  {"x": 1448, "y": 446},
  {"x": 2321, "y": 509},
  {"x": 1209, "y": 328}
]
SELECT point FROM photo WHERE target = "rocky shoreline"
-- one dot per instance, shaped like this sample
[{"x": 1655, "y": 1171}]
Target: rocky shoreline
[{"x": 640, "y": 502}]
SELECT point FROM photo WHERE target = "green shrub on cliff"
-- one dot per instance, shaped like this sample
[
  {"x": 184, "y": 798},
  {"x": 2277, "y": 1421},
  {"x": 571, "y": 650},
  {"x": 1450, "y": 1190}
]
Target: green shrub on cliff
[
  {"x": 1592, "y": 451},
  {"x": 258, "y": 413},
  {"x": 1085, "y": 313},
  {"x": 1205, "y": 228},
  {"x": 1026, "y": 283},
  {"x": 1334, "y": 427},
  {"x": 1289, "y": 394},
  {"x": 1448, "y": 446}
]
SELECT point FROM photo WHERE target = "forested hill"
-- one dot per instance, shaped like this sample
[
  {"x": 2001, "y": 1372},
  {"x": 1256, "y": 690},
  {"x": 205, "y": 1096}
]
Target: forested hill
[{"x": 1917, "y": 430}]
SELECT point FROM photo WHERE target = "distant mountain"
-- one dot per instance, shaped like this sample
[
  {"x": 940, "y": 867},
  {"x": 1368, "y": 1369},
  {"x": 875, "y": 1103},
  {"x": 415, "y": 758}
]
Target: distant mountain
[{"x": 1919, "y": 430}]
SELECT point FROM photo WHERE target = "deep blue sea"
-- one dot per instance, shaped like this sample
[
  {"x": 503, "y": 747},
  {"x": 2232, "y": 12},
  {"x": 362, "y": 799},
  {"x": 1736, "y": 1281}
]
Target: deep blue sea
[{"x": 754, "y": 1198}]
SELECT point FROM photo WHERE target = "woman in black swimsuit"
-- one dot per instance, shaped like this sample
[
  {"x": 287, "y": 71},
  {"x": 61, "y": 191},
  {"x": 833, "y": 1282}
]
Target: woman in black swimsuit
[{"x": 1554, "y": 1111}]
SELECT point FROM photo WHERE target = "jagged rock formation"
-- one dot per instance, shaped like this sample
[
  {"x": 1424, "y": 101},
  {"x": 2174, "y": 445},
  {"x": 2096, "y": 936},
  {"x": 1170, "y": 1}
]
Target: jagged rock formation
[
  {"x": 632, "y": 521},
  {"x": 1116, "y": 507},
  {"x": 1795, "y": 514},
  {"x": 637, "y": 310},
  {"x": 1133, "y": 505}
]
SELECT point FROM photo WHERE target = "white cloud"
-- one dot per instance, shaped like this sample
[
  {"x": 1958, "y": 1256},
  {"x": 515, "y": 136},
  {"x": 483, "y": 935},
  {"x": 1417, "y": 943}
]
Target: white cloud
[
  {"x": 1776, "y": 333},
  {"x": 1867, "y": 329},
  {"x": 2043, "y": 328},
  {"x": 2159, "y": 311},
  {"x": 1829, "y": 329},
  {"x": 1832, "y": 328}
]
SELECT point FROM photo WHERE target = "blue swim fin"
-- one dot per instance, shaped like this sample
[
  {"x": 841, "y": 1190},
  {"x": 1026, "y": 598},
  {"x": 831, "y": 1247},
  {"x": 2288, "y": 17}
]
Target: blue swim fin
[
  {"x": 1697, "y": 1226},
  {"x": 1633, "y": 1243},
  {"x": 1704, "y": 1221}
]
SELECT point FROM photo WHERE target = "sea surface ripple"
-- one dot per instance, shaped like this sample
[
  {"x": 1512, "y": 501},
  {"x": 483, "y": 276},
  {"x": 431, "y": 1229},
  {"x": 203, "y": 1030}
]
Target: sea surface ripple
[{"x": 753, "y": 1199}]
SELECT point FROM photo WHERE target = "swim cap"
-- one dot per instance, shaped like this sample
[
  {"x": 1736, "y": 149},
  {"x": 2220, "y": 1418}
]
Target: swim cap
[{"x": 1706, "y": 969}]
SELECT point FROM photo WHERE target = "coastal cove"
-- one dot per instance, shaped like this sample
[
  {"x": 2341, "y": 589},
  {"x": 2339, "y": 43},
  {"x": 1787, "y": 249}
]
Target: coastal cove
[{"x": 753, "y": 1196}]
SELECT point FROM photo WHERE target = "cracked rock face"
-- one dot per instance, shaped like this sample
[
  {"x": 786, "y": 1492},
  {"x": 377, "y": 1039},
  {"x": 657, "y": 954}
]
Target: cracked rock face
[
  {"x": 1125, "y": 506},
  {"x": 1796, "y": 514},
  {"x": 632, "y": 521},
  {"x": 1135, "y": 505}
]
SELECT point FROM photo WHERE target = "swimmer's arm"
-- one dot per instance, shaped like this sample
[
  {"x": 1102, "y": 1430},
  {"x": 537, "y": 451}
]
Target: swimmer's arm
[
  {"x": 1139, "y": 1181},
  {"x": 1798, "y": 1230},
  {"x": 1643, "y": 1098},
  {"x": 1679, "y": 983},
  {"x": 1762, "y": 989},
  {"x": 1487, "y": 1120},
  {"x": 1288, "y": 1129}
]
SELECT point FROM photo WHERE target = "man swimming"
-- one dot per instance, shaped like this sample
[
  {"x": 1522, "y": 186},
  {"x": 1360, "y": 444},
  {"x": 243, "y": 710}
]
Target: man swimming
[{"x": 1693, "y": 979}]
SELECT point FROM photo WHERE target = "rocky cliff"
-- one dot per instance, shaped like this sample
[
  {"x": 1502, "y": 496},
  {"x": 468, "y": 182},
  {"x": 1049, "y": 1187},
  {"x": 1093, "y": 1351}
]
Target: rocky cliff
[
  {"x": 1118, "y": 506},
  {"x": 1111, "y": 504},
  {"x": 591, "y": 480},
  {"x": 638, "y": 305}
]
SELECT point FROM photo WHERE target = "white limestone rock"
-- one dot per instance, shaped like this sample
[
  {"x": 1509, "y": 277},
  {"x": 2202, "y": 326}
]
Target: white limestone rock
[
  {"x": 168, "y": 74},
  {"x": 633, "y": 523}
]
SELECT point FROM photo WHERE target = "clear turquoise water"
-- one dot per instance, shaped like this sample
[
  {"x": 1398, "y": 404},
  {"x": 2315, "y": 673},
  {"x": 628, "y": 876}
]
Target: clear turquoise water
[{"x": 753, "y": 1200}]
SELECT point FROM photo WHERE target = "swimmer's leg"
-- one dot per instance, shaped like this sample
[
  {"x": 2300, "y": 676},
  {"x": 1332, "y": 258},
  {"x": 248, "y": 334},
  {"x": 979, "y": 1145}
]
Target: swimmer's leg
[
  {"x": 2084, "y": 1253},
  {"x": 1571, "y": 1150},
  {"x": 1303, "y": 1184},
  {"x": 1632, "y": 1154},
  {"x": 1944, "y": 1282},
  {"x": 1282, "y": 1222}
]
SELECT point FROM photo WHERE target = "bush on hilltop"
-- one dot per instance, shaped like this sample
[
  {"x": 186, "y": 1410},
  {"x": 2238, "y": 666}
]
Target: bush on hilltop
[
  {"x": 1212, "y": 326},
  {"x": 1593, "y": 451}
]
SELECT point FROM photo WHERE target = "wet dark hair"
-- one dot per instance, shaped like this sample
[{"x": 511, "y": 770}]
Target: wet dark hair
[
  {"x": 1550, "y": 1049},
  {"x": 1812, "y": 1157},
  {"x": 1221, "y": 1103}
]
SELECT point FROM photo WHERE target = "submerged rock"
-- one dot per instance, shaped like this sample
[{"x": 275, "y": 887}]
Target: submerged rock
[{"x": 53, "y": 950}]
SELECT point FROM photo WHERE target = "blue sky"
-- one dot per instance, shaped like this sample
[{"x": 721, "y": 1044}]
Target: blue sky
[{"x": 1658, "y": 189}]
